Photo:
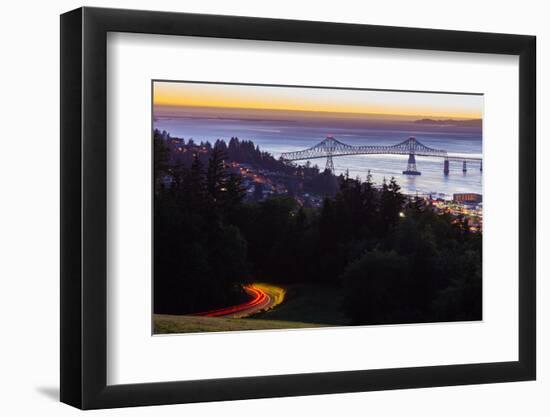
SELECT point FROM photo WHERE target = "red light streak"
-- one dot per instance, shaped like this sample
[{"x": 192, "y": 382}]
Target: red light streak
[{"x": 259, "y": 297}]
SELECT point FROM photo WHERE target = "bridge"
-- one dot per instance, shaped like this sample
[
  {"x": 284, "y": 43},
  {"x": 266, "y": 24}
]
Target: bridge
[{"x": 329, "y": 148}]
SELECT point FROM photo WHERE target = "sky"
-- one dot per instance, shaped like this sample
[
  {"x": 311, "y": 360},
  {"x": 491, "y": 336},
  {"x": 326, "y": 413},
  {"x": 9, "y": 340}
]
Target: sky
[{"x": 276, "y": 99}]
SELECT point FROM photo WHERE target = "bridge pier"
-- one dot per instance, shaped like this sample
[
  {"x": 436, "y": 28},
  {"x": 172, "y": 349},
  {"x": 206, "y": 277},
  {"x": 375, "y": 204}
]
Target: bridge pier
[
  {"x": 411, "y": 166},
  {"x": 446, "y": 167},
  {"x": 464, "y": 169}
]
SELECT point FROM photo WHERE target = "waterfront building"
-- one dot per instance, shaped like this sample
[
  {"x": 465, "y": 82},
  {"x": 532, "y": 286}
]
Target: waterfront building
[{"x": 467, "y": 198}]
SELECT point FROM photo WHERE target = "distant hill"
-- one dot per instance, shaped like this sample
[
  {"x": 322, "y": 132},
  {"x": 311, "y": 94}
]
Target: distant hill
[{"x": 450, "y": 122}]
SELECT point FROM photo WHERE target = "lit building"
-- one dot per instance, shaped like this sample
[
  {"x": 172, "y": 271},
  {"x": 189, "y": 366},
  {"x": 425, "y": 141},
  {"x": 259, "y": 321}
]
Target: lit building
[{"x": 468, "y": 198}]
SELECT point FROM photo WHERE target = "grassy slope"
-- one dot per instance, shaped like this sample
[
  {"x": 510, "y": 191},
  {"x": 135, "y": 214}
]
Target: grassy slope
[
  {"x": 303, "y": 306},
  {"x": 309, "y": 304},
  {"x": 190, "y": 324}
]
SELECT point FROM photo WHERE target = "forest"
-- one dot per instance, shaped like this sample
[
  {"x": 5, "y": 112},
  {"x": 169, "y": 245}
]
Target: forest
[{"x": 394, "y": 259}]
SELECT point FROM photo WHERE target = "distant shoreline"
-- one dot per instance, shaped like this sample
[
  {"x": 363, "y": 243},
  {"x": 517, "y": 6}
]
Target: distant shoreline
[{"x": 450, "y": 122}]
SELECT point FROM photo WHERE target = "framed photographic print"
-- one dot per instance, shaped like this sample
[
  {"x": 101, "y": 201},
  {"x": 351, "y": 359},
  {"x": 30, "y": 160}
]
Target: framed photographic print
[{"x": 257, "y": 207}]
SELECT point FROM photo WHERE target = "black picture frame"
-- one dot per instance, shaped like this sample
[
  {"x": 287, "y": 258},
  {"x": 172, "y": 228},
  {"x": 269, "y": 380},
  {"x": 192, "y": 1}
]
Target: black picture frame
[{"x": 84, "y": 207}]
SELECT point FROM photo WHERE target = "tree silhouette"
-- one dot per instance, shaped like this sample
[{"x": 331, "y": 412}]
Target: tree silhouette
[
  {"x": 391, "y": 203},
  {"x": 216, "y": 174}
]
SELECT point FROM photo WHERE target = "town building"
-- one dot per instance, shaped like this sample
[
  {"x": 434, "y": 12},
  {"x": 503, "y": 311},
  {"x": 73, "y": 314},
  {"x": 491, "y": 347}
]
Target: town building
[{"x": 467, "y": 198}]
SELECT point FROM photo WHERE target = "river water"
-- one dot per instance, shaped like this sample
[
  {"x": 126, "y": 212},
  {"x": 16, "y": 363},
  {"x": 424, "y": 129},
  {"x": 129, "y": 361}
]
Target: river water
[{"x": 277, "y": 136}]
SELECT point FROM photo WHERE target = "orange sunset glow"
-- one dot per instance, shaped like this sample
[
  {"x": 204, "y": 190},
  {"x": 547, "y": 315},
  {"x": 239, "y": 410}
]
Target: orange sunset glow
[{"x": 342, "y": 101}]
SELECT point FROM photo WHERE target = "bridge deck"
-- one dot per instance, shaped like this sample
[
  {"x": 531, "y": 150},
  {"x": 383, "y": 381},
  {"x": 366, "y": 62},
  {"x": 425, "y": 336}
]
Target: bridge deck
[{"x": 330, "y": 147}]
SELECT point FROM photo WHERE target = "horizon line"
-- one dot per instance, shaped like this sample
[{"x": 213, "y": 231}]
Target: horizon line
[{"x": 416, "y": 116}]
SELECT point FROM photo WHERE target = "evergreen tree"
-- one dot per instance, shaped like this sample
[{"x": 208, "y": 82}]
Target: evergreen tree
[
  {"x": 414, "y": 206},
  {"x": 194, "y": 193},
  {"x": 391, "y": 203},
  {"x": 376, "y": 289},
  {"x": 161, "y": 155},
  {"x": 331, "y": 259},
  {"x": 233, "y": 192},
  {"x": 216, "y": 174},
  {"x": 370, "y": 205}
]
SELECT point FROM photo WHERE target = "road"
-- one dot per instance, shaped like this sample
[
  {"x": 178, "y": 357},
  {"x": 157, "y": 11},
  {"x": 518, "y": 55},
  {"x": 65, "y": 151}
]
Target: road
[{"x": 262, "y": 297}]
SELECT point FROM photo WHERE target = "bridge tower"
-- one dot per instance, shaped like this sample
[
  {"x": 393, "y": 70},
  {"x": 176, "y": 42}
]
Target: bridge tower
[
  {"x": 411, "y": 165},
  {"x": 329, "y": 145},
  {"x": 330, "y": 165},
  {"x": 446, "y": 167},
  {"x": 464, "y": 168}
]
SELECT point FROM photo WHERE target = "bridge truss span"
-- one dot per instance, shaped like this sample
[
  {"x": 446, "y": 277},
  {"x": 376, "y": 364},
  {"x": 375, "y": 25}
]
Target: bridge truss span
[{"x": 330, "y": 147}]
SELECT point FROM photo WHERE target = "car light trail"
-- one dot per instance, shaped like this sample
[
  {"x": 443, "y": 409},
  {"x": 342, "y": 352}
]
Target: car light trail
[{"x": 259, "y": 300}]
